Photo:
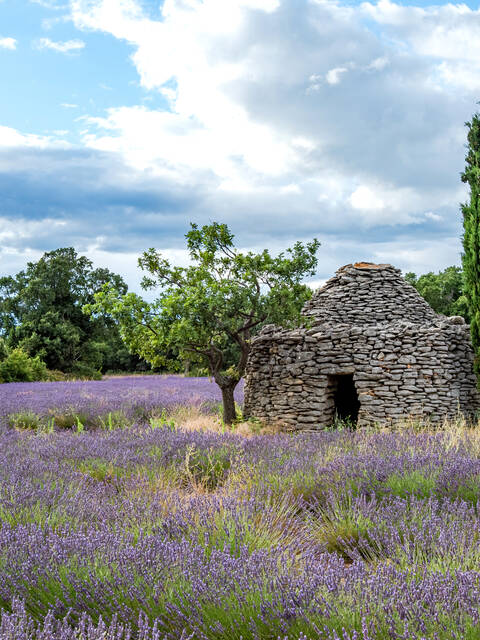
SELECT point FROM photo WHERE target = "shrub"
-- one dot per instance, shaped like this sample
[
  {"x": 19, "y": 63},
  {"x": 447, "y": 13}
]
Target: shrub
[
  {"x": 207, "y": 468},
  {"x": 411, "y": 483},
  {"x": 156, "y": 416},
  {"x": 84, "y": 371},
  {"x": 101, "y": 470},
  {"x": 25, "y": 420},
  {"x": 3, "y": 349},
  {"x": 69, "y": 418},
  {"x": 53, "y": 375},
  {"x": 343, "y": 527},
  {"x": 113, "y": 420},
  {"x": 163, "y": 422},
  {"x": 18, "y": 366}
]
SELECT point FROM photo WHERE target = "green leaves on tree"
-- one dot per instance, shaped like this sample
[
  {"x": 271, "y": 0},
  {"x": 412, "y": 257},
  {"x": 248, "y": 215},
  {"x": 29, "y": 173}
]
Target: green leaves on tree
[
  {"x": 444, "y": 291},
  {"x": 471, "y": 232},
  {"x": 41, "y": 311},
  {"x": 207, "y": 313}
]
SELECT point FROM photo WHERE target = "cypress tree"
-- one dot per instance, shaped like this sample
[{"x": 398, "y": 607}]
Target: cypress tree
[{"x": 471, "y": 232}]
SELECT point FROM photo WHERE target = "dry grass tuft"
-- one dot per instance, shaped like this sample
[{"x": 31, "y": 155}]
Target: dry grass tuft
[
  {"x": 192, "y": 419},
  {"x": 454, "y": 430}
]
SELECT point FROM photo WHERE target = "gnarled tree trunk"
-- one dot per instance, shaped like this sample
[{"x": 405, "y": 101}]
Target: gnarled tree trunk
[{"x": 229, "y": 410}]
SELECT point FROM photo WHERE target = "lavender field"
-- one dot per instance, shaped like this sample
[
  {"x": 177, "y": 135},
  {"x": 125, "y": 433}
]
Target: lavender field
[
  {"x": 136, "y": 397},
  {"x": 139, "y": 528}
]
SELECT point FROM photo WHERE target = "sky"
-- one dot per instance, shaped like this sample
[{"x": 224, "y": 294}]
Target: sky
[{"x": 122, "y": 121}]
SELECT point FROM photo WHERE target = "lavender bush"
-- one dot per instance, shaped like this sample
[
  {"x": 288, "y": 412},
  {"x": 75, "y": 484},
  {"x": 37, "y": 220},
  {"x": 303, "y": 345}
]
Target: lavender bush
[{"x": 156, "y": 532}]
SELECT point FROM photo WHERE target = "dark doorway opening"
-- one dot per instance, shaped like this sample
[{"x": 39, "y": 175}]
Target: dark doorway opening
[{"x": 345, "y": 399}]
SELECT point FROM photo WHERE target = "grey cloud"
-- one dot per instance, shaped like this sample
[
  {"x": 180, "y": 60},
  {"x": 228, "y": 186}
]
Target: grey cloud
[
  {"x": 94, "y": 192},
  {"x": 392, "y": 124},
  {"x": 102, "y": 202}
]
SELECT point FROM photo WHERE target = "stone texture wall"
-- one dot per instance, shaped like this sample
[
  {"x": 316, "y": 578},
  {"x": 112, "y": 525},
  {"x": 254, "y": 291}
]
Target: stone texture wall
[
  {"x": 417, "y": 366},
  {"x": 368, "y": 294}
]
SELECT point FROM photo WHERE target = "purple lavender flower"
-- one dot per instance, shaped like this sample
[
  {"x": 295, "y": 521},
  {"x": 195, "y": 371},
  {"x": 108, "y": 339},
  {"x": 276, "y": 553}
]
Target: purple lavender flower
[{"x": 160, "y": 534}]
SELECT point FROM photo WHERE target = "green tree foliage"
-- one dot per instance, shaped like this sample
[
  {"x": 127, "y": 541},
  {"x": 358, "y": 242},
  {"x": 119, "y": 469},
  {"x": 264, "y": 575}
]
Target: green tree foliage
[
  {"x": 208, "y": 312},
  {"x": 18, "y": 366},
  {"x": 471, "y": 231},
  {"x": 41, "y": 312},
  {"x": 444, "y": 291},
  {"x": 4, "y": 351}
]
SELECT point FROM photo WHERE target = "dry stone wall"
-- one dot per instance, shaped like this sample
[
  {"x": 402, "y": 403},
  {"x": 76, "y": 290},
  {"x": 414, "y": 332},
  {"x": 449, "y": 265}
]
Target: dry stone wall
[
  {"x": 368, "y": 294},
  {"x": 408, "y": 362}
]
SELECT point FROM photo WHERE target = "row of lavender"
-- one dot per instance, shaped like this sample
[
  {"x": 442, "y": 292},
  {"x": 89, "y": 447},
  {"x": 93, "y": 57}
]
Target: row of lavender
[
  {"x": 133, "y": 396},
  {"x": 156, "y": 533}
]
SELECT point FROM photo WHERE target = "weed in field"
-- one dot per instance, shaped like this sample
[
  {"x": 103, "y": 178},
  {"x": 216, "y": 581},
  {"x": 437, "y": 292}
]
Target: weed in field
[
  {"x": 343, "y": 527},
  {"x": 101, "y": 470},
  {"x": 25, "y": 420},
  {"x": 411, "y": 483},
  {"x": 69, "y": 418},
  {"x": 112, "y": 420},
  {"x": 207, "y": 469},
  {"x": 163, "y": 422},
  {"x": 48, "y": 425}
]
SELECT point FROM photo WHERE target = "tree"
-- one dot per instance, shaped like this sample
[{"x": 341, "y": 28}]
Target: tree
[
  {"x": 17, "y": 366},
  {"x": 443, "y": 291},
  {"x": 41, "y": 311},
  {"x": 208, "y": 312},
  {"x": 471, "y": 232}
]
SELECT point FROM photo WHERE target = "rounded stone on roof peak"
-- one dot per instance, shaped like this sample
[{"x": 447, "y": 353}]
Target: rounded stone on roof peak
[
  {"x": 371, "y": 265},
  {"x": 366, "y": 265}
]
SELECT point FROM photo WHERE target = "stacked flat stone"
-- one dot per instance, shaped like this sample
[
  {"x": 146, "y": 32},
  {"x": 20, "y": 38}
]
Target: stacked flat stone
[
  {"x": 406, "y": 360},
  {"x": 367, "y": 294}
]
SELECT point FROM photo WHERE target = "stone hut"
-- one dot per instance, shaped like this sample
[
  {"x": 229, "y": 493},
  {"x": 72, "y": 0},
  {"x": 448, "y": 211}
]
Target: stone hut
[{"x": 373, "y": 351}]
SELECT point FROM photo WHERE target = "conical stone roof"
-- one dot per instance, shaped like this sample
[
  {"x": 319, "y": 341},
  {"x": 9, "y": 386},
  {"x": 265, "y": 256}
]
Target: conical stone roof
[{"x": 367, "y": 294}]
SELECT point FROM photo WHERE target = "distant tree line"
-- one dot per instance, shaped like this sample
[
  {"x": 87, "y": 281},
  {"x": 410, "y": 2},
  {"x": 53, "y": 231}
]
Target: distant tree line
[
  {"x": 41, "y": 318},
  {"x": 444, "y": 291}
]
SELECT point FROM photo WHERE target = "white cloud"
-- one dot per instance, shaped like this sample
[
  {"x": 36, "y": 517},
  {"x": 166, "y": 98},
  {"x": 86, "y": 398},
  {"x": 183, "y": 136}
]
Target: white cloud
[
  {"x": 421, "y": 256},
  {"x": 334, "y": 76},
  {"x": 430, "y": 215},
  {"x": 8, "y": 43},
  {"x": 18, "y": 231},
  {"x": 388, "y": 204},
  {"x": 233, "y": 77},
  {"x": 291, "y": 188},
  {"x": 14, "y": 259},
  {"x": 178, "y": 143},
  {"x": 365, "y": 198},
  {"x": 69, "y": 105},
  {"x": 69, "y": 46},
  {"x": 12, "y": 138},
  {"x": 315, "y": 82},
  {"x": 447, "y": 33},
  {"x": 77, "y": 209},
  {"x": 378, "y": 64},
  {"x": 459, "y": 74},
  {"x": 207, "y": 129},
  {"x": 126, "y": 263}
]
